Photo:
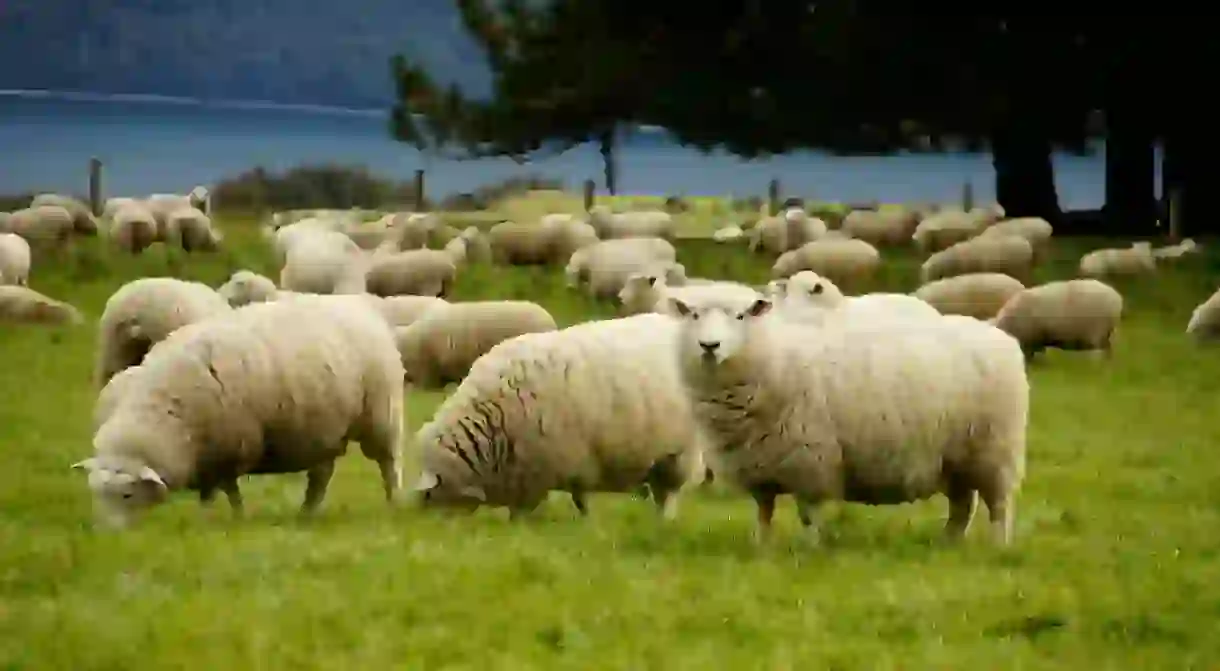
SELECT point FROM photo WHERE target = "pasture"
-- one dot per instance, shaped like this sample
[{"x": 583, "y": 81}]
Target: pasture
[{"x": 1116, "y": 562}]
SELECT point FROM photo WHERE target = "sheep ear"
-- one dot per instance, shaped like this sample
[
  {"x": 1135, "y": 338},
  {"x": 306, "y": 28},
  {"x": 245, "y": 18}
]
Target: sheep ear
[
  {"x": 760, "y": 307},
  {"x": 679, "y": 307},
  {"x": 427, "y": 480},
  {"x": 474, "y": 493},
  {"x": 652, "y": 281},
  {"x": 149, "y": 475},
  {"x": 88, "y": 465}
]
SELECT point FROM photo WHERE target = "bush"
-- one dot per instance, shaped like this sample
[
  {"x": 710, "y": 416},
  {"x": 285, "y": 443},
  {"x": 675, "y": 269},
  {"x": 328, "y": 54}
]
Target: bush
[{"x": 310, "y": 186}]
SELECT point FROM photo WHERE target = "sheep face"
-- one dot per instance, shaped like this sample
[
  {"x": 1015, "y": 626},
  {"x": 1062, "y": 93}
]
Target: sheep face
[
  {"x": 121, "y": 491},
  {"x": 441, "y": 491},
  {"x": 636, "y": 286},
  {"x": 714, "y": 331}
]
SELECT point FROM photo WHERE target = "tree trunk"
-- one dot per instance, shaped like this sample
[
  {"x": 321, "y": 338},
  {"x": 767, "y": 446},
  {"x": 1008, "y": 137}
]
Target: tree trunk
[
  {"x": 1130, "y": 207},
  {"x": 1189, "y": 155},
  {"x": 1024, "y": 174},
  {"x": 606, "y": 142}
]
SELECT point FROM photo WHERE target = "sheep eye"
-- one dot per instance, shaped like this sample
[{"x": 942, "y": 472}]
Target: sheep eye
[
  {"x": 817, "y": 289},
  {"x": 741, "y": 317}
]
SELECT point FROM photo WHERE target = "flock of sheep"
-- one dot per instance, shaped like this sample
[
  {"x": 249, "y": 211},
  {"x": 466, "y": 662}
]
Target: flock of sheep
[{"x": 760, "y": 386}]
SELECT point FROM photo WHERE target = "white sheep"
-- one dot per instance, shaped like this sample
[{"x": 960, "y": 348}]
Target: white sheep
[
  {"x": 244, "y": 287},
  {"x": 133, "y": 227},
  {"x": 596, "y": 407},
  {"x": 1080, "y": 314},
  {"x": 1036, "y": 230},
  {"x": 858, "y": 412},
  {"x": 418, "y": 272},
  {"x": 285, "y": 237},
  {"x": 890, "y": 226},
  {"x": 470, "y": 246},
  {"x": 950, "y": 226},
  {"x": 812, "y": 299},
  {"x": 1173, "y": 252},
  {"x": 649, "y": 292},
  {"x": 1011, "y": 255},
  {"x": 607, "y": 264},
  {"x": 23, "y": 305},
  {"x": 1204, "y": 322},
  {"x": 83, "y": 221},
  {"x": 402, "y": 311},
  {"x": 323, "y": 262},
  {"x": 14, "y": 259},
  {"x": 442, "y": 344},
  {"x": 43, "y": 226},
  {"x": 788, "y": 231},
  {"x": 270, "y": 388},
  {"x": 979, "y": 295},
  {"x": 551, "y": 241},
  {"x": 847, "y": 262},
  {"x": 730, "y": 233},
  {"x": 635, "y": 224},
  {"x": 144, "y": 312},
  {"x": 194, "y": 229},
  {"x": 1134, "y": 260}
]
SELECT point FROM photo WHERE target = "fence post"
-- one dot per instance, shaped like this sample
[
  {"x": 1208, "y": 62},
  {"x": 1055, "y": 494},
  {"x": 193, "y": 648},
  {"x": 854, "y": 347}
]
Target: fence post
[
  {"x": 773, "y": 197},
  {"x": 419, "y": 190},
  {"x": 95, "y": 186},
  {"x": 967, "y": 196},
  {"x": 590, "y": 190},
  {"x": 1175, "y": 215}
]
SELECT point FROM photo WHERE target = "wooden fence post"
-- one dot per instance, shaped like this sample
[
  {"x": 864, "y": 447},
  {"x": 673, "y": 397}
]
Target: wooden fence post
[
  {"x": 967, "y": 196},
  {"x": 419, "y": 190},
  {"x": 1175, "y": 215},
  {"x": 95, "y": 186},
  {"x": 773, "y": 197},
  {"x": 590, "y": 190}
]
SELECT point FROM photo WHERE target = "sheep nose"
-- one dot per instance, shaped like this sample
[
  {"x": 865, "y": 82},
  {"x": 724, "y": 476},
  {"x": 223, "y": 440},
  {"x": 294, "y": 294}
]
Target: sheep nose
[{"x": 708, "y": 347}]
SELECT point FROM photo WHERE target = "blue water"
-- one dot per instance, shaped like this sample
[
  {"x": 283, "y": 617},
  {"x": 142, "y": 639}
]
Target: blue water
[{"x": 149, "y": 146}]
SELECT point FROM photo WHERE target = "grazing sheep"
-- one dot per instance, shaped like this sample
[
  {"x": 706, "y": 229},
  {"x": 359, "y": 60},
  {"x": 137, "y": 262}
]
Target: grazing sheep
[
  {"x": 1036, "y": 230},
  {"x": 442, "y": 344},
  {"x": 14, "y": 259},
  {"x": 846, "y": 262},
  {"x": 1070, "y": 315},
  {"x": 23, "y": 305},
  {"x": 730, "y": 233},
  {"x": 649, "y": 292},
  {"x": 637, "y": 224},
  {"x": 786, "y": 232},
  {"x": 1173, "y": 252},
  {"x": 889, "y": 226},
  {"x": 470, "y": 246},
  {"x": 1135, "y": 260},
  {"x": 606, "y": 412},
  {"x": 194, "y": 230},
  {"x": 402, "y": 311},
  {"x": 812, "y": 299},
  {"x": 43, "y": 226},
  {"x": 244, "y": 287},
  {"x": 1008, "y": 254},
  {"x": 607, "y": 264},
  {"x": 113, "y": 205},
  {"x": 1204, "y": 322},
  {"x": 83, "y": 221},
  {"x": 978, "y": 295},
  {"x": 949, "y": 227},
  {"x": 409, "y": 230},
  {"x": 286, "y": 237},
  {"x": 418, "y": 272},
  {"x": 133, "y": 227},
  {"x": 323, "y": 262},
  {"x": 144, "y": 312},
  {"x": 549, "y": 242},
  {"x": 857, "y": 412},
  {"x": 270, "y": 388}
]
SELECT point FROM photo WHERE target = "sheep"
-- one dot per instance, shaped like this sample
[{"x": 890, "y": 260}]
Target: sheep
[
  {"x": 23, "y": 305},
  {"x": 270, "y": 388},
  {"x": 368, "y": 235},
  {"x": 419, "y": 272},
  {"x": 144, "y": 312},
  {"x": 244, "y": 287},
  {"x": 979, "y": 295},
  {"x": 1102, "y": 263},
  {"x": 549, "y": 242},
  {"x": 1081, "y": 314},
  {"x": 1008, "y": 254},
  {"x": 648, "y": 292},
  {"x": 442, "y": 344},
  {"x": 846, "y": 262},
  {"x": 133, "y": 227},
  {"x": 323, "y": 262},
  {"x": 606, "y": 412},
  {"x": 638, "y": 224},
  {"x": 809, "y": 298},
  {"x": 887, "y": 226},
  {"x": 786, "y": 232},
  {"x": 1173, "y": 252},
  {"x": 162, "y": 205},
  {"x": 194, "y": 230},
  {"x": 1204, "y": 322},
  {"x": 855, "y": 412},
  {"x": 83, "y": 221},
  {"x": 402, "y": 311},
  {"x": 409, "y": 230},
  {"x": 201, "y": 199},
  {"x": 949, "y": 227},
  {"x": 470, "y": 246},
  {"x": 14, "y": 259},
  {"x": 1036, "y": 230},
  {"x": 730, "y": 233},
  {"x": 113, "y": 205},
  {"x": 607, "y": 264},
  {"x": 286, "y": 237},
  {"x": 43, "y": 226}
]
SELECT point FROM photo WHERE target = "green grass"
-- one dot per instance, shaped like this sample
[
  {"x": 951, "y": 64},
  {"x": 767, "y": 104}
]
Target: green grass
[{"x": 1116, "y": 562}]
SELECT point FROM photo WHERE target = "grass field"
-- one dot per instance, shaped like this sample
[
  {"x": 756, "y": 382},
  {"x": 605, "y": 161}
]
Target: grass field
[{"x": 1116, "y": 563}]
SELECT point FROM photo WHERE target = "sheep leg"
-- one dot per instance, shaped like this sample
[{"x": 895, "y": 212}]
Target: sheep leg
[
  {"x": 807, "y": 513},
  {"x": 233, "y": 493},
  {"x": 1000, "y": 512},
  {"x": 317, "y": 480},
  {"x": 520, "y": 511},
  {"x": 765, "y": 499},
  {"x": 962, "y": 502},
  {"x": 391, "y": 478},
  {"x": 666, "y": 500},
  {"x": 578, "y": 500}
]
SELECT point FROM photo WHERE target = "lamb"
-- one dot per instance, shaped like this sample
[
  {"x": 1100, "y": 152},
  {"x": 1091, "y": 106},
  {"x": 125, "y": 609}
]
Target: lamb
[
  {"x": 144, "y": 312},
  {"x": 789, "y": 231},
  {"x": 244, "y": 287},
  {"x": 948, "y": 227},
  {"x": 43, "y": 226},
  {"x": 1135, "y": 260},
  {"x": 133, "y": 227},
  {"x": 638, "y": 224},
  {"x": 440, "y": 346},
  {"x": 1173, "y": 252},
  {"x": 979, "y": 295},
  {"x": 857, "y": 413},
  {"x": 887, "y": 226},
  {"x": 1036, "y": 230},
  {"x": 194, "y": 230},
  {"x": 248, "y": 393},
  {"x": 419, "y": 272},
  {"x": 846, "y": 262},
  {"x": 323, "y": 262},
  {"x": 607, "y": 264},
  {"x": 1204, "y": 322},
  {"x": 606, "y": 413},
  {"x": 83, "y": 221},
  {"x": 1078, "y": 314},
  {"x": 23, "y": 305},
  {"x": 1008, "y": 254},
  {"x": 812, "y": 299},
  {"x": 14, "y": 260}
]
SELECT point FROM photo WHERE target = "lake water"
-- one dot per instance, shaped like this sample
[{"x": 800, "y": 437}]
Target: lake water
[{"x": 162, "y": 145}]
